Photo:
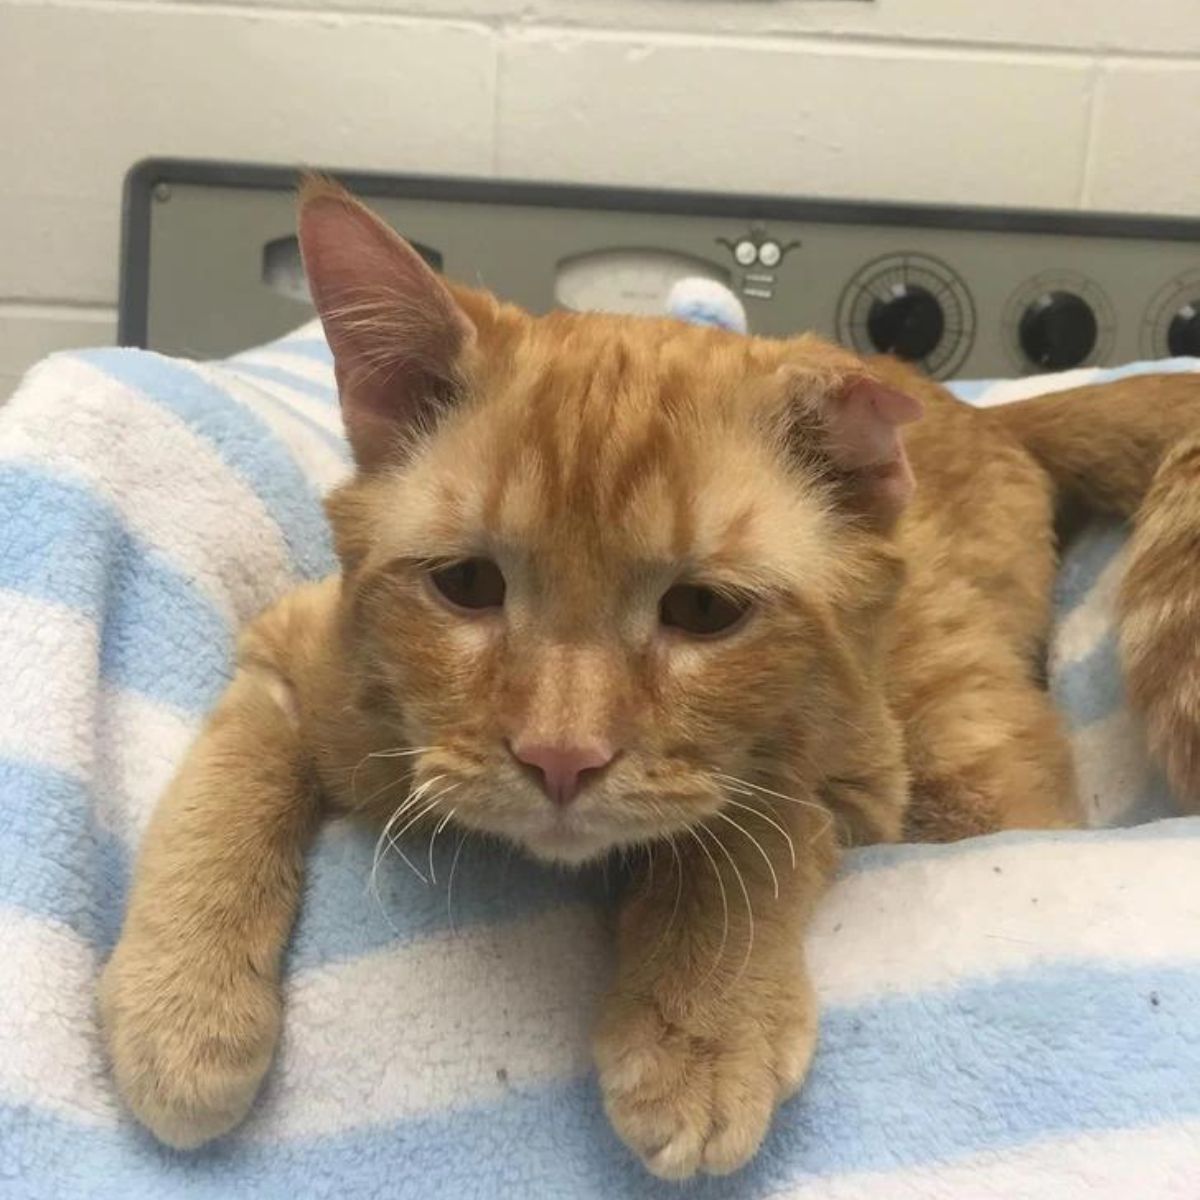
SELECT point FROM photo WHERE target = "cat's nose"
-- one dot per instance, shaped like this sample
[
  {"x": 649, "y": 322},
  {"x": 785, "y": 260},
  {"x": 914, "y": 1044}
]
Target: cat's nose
[{"x": 563, "y": 766}]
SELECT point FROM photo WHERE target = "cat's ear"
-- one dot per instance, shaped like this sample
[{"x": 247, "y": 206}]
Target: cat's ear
[
  {"x": 852, "y": 422},
  {"x": 864, "y": 418},
  {"x": 398, "y": 337}
]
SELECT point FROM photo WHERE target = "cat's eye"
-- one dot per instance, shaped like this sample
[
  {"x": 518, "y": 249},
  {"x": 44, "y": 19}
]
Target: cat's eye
[
  {"x": 472, "y": 583},
  {"x": 701, "y": 611}
]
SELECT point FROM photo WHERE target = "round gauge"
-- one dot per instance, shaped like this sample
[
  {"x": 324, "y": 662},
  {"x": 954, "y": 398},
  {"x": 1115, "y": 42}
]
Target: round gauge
[
  {"x": 1057, "y": 321},
  {"x": 770, "y": 254},
  {"x": 746, "y": 252},
  {"x": 1171, "y": 327},
  {"x": 912, "y": 306},
  {"x": 627, "y": 281}
]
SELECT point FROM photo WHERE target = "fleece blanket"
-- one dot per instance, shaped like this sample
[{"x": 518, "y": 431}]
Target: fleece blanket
[{"x": 1017, "y": 1016}]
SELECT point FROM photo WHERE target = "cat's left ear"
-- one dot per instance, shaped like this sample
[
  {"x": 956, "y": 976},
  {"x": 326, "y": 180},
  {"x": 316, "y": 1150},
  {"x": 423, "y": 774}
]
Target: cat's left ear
[
  {"x": 398, "y": 337},
  {"x": 854, "y": 423}
]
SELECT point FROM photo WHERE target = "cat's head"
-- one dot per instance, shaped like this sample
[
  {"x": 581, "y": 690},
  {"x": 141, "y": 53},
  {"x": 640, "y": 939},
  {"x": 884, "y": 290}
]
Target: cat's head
[{"x": 598, "y": 567}]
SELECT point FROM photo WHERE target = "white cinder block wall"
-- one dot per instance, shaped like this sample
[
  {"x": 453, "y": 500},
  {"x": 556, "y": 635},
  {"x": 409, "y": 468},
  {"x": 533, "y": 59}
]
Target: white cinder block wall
[{"x": 1071, "y": 103}]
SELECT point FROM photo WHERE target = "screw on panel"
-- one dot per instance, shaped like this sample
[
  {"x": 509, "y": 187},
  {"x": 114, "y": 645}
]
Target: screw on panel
[{"x": 162, "y": 192}]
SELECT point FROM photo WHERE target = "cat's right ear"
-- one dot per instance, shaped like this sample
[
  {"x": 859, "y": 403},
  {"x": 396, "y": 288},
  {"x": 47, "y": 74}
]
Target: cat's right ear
[
  {"x": 398, "y": 337},
  {"x": 846, "y": 421}
]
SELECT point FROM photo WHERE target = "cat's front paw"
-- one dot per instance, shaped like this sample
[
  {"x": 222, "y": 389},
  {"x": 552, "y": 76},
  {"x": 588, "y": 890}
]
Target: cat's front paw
[
  {"x": 189, "y": 1041},
  {"x": 693, "y": 1087}
]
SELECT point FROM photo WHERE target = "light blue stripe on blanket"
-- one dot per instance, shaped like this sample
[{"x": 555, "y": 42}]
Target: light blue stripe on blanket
[
  {"x": 879, "y": 857},
  {"x": 1088, "y": 556},
  {"x": 243, "y": 442},
  {"x": 1090, "y": 688},
  {"x": 325, "y": 392},
  {"x": 342, "y": 917},
  {"x": 160, "y": 636},
  {"x": 958, "y": 1072},
  {"x": 307, "y": 347},
  {"x": 246, "y": 375},
  {"x": 82, "y": 884},
  {"x": 971, "y": 391},
  {"x": 1161, "y": 366}
]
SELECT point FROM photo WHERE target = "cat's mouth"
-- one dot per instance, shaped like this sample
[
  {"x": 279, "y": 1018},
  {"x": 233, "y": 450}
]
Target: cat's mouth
[
  {"x": 600, "y": 820},
  {"x": 572, "y": 848},
  {"x": 571, "y": 837}
]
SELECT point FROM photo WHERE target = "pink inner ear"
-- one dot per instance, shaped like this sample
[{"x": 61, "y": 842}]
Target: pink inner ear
[
  {"x": 864, "y": 427},
  {"x": 396, "y": 334}
]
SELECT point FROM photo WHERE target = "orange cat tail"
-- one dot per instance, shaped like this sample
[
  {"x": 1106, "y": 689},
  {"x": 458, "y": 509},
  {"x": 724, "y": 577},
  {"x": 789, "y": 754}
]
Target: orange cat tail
[{"x": 1133, "y": 448}]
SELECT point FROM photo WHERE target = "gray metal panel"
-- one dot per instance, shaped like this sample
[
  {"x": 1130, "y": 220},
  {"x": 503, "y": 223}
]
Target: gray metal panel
[{"x": 195, "y": 237}]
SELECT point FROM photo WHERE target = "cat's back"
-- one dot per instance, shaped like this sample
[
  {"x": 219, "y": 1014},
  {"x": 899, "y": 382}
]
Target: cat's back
[
  {"x": 978, "y": 542},
  {"x": 981, "y": 501}
]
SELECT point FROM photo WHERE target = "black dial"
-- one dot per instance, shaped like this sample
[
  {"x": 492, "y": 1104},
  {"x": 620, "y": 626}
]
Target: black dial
[
  {"x": 1058, "y": 330},
  {"x": 907, "y": 322},
  {"x": 910, "y": 305},
  {"x": 1183, "y": 334}
]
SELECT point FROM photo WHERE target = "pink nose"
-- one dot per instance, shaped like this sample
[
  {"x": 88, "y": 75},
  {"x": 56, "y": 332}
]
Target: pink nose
[{"x": 562, "y": 766}]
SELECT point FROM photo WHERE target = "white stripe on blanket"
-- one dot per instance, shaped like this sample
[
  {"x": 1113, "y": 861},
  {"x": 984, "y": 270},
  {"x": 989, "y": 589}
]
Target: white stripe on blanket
[
  {"x": 169, "y": 486},
  {"x": 1124, "y": 905},
  {"x": 44, "y": 642}
]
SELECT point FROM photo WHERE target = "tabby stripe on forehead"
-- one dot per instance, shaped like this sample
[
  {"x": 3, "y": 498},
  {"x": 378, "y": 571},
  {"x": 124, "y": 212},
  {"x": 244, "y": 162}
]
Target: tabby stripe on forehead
[
  {"x": 447, "y": 522},
  {"x": 504, "y": 455},
  {"x": 649, "y": 457},
  {"x": 736, "y": 536},
  {"x": 646, "y": 457},
  {"x": 537, "y": 436},
  {"x": 545, "y": 434},
  {"x": 593, "y": 411}
]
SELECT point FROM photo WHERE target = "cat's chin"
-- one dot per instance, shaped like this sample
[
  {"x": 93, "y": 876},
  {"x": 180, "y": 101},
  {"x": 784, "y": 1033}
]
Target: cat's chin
[
  {"x": 566, "y": 849},
  {"x": 571, "y": 839}
]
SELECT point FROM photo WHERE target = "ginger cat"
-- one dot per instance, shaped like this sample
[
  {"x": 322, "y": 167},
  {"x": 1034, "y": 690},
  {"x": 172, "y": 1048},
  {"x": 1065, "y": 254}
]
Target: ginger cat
[{"x": 618, "y": 582}]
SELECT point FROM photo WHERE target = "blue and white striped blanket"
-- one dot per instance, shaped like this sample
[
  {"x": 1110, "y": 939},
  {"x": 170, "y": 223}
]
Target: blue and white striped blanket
[{"x": 1017, "y": 1016}]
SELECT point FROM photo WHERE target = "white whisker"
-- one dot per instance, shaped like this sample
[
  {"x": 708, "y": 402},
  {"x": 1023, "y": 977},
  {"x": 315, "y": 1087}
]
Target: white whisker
[
  {"x": 433, "y": 837},
  {"x": 413, "y": 797},
  {"x": 418, "y": 793},
  {"x": 678, "y": 881},
  {"x": 770, "y": 820},
  {"x": 462, "y": 838},
  {"x": 387, "y": 787},
  {"x": 666, "y": 929},
  {"x": 737, "y": 874},
  {"x": 379, "y": 754},
  {"x": 766, "y": 791},
  {"x": 724, "y": 905},
  {"x": 424, "y": 812},
  {"x": 757, "y": 845},
  {"x": 377, "y": 858}
]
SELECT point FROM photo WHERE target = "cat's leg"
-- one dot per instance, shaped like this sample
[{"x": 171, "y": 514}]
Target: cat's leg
[
  {"x": 190, "y": 1000},
  {"x": 988, "y": 755},
  {"x": 712, "y": 1020}
]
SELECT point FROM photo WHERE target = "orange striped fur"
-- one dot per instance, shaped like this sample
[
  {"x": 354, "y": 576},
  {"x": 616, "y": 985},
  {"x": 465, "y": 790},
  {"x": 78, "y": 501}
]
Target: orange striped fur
[{"x": 885, "y": 680}]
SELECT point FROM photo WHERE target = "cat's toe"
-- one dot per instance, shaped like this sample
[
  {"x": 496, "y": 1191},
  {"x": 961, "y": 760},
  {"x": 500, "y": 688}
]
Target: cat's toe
[
  {"x": 689, "y": 1099},
  {"x": 745, "y": 1090},
  {"x": 187, "y": 1119},
  {"x": 188, "y": 1069}
]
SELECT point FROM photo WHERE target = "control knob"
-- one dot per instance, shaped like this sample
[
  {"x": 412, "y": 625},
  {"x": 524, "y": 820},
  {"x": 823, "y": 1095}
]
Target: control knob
[
  {"x": 1183, "y": 333},
  {"x": 908, "y": 322},
  {"x": 1058, "y": 330}
]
